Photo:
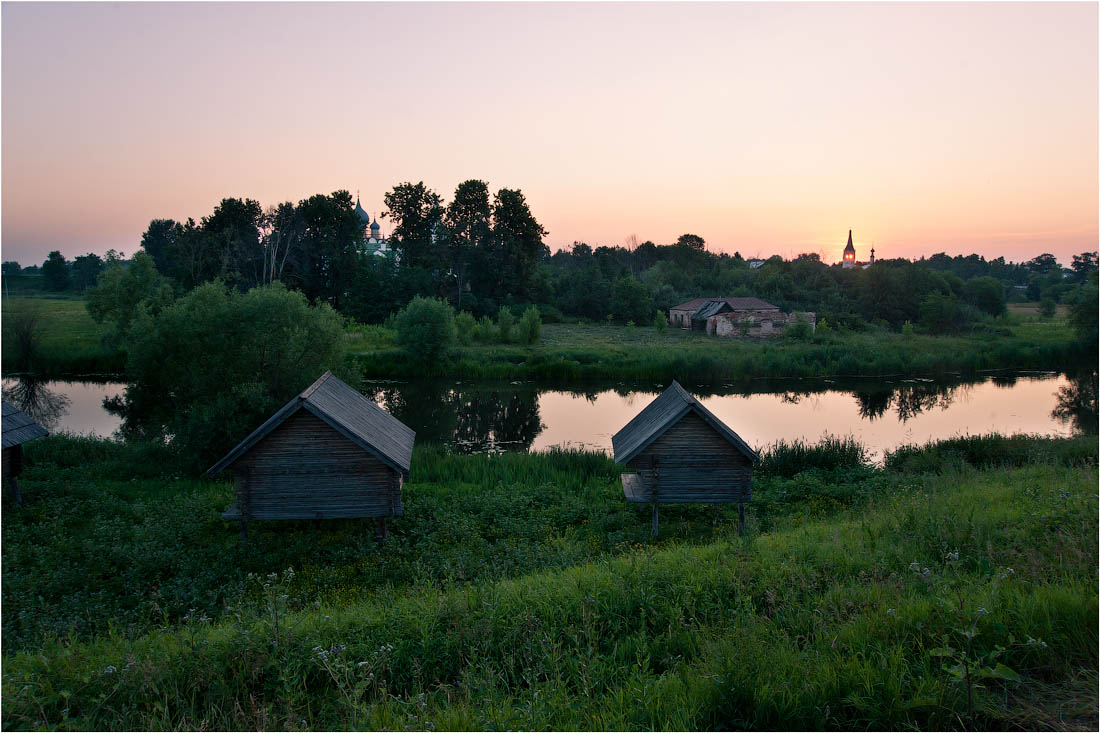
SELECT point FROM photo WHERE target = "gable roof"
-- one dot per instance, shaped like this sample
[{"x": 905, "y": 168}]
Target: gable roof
[
  {"x": 737, "y": 304},
  {"x": 349, "y": 413},
  {"x": 18, "y": 428},
  {"x": 709, "y": 309},
  {"x": 661, "y": 414}
]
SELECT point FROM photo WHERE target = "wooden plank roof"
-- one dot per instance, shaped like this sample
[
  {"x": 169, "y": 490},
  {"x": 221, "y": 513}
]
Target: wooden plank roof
[
  {"x": 348, "y": 412},
  {"x": 661, "y": 414},
  {"x": 18, "y": 428},
  {"x": 737, "y": 304}
]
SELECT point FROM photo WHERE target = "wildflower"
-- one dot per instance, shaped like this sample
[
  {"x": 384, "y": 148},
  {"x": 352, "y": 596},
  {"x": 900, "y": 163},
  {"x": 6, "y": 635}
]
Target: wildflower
[
  {"x": 891, "y": 612},
  {"x": 915, "y": 567},
  {"x": 362, "y": 664},
  {"x": 284, "y": 597},
  {"x": 926, "y": 572},
  {"x": 110, "y": 670},
  {"x": 953, "y": 556},
  {"x": 982, "y": 612},
  {"x": 1010, "y": 571}
]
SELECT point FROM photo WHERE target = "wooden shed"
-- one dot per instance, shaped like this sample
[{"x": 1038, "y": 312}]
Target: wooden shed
[
  {"x": 17, "y": 430},
  {"x": 328, "y": 453},
  {"x": 677, "y": 451}
]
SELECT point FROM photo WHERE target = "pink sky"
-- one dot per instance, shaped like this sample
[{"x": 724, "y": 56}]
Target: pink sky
[{"x": 765, "y": 128}]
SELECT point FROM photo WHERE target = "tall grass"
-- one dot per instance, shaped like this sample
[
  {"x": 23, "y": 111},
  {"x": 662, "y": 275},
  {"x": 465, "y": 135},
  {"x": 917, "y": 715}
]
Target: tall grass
[{"x": 821, "y": 623}]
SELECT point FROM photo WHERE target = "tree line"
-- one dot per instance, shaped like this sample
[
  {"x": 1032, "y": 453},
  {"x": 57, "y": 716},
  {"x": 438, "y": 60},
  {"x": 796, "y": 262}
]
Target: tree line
[{"x": 481, "y": 251}]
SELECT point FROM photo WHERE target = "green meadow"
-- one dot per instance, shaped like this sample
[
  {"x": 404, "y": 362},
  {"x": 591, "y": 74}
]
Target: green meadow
[
  {"x": 71, "y": 343},
  {"x": 953, "y": 587}
]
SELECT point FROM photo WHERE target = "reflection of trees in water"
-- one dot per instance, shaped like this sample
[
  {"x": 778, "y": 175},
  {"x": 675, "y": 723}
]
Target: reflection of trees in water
[
  {"x": 1077, "y": 402},
  {"x": 909, "y": 400},
  {"x": 40, "y": 403},
  {"x": 472, "y": 420}
]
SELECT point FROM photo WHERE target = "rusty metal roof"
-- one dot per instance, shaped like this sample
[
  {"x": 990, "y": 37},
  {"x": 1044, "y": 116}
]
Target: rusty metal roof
[
  {"x": 661, "y": 414},
  {"x": 18, "y": 428},
  {"x": 349, "y": 413}
]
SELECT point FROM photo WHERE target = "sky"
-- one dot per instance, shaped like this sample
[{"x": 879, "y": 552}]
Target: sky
[{"x": 765, "y": 128}]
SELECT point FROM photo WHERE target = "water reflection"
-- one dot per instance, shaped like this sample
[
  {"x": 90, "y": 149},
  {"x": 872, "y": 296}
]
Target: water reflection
[
  {"x": 42, "y": 404},
  {"x": 473, "y": 419},
  {"x": 491, "y": 417},
  {"x": 1077, "y": 402}
]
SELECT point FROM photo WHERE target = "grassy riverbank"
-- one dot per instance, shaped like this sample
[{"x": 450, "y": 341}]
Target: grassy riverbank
[
  {"x": 590, "y": 352},
  {"x": 71, "y": 343},
  {"x": 521, "y": 591}
]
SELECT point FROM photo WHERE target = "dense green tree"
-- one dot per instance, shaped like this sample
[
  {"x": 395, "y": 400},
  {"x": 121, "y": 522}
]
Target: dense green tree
[
  {"x": 209, "y": 368},
  {"x": 987, "y": 294},
  {"x": 630, "y": 301},
  {"x": 331, "y": 235},
  {"x": 516, "y": 246},
  {"x": 693, "y": 241},
  {"x": 159, "y": 242},
  {"x": 426, "y": 329},
  {"x": 417, "y": 215},
  {"x": 122, "y": 292},
  {"x": 468, "y": 232},
  {"x": 86, "y": 270},
  {"x": 10, "y": 267},
  {"x": 55, "y": 272}
]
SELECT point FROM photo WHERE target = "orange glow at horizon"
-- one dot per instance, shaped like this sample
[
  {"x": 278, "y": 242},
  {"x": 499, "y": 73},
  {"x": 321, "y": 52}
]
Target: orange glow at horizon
[{"x": 764, "y": 128}]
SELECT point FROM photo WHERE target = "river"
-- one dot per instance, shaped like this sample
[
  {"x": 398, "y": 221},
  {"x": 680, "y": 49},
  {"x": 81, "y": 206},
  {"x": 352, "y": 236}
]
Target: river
[{"x": 479, "y": 417}]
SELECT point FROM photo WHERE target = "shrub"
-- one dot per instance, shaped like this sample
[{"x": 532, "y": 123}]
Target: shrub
[
  {"x": 907, "y": 329},
  {"x": 465, "y": 326},
  {"x": 660, "y": 321},
  {"x": 505, "y": 323},
  {"x": 216, "y": 363},
  {"x": 426, "y": 328},
  {"x": 800, "y": 330},
  {"x": 530, "y": 325},
  {"x": 485, "y": 332}
]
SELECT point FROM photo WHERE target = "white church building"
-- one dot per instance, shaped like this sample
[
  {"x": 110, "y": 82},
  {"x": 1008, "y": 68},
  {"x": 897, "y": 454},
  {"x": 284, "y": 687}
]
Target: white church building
[{"x": 374, "y": 241}]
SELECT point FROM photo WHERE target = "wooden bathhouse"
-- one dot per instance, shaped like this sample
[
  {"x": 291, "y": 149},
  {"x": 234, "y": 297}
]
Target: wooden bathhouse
[
  {"x": 328, "y": 453},
  {"x": 677, "y": 451},
  {"x": 17, "y": 430}
]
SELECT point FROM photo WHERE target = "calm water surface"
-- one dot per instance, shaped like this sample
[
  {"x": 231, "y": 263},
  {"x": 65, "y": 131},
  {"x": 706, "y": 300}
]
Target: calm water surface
[{"x": 476, "y": 417}]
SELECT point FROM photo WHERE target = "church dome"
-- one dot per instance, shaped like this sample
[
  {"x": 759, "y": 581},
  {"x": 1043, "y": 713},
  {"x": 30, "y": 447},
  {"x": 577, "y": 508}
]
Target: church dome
[
  {"x": 374, "y": 226},
  {"x": 362, "y": 214}
]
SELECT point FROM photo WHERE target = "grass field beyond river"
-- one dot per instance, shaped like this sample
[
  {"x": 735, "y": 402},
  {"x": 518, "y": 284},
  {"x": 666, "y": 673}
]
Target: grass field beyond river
[
  {"x": 71, "y": 344},
  {"x": 521, "y": 591}
]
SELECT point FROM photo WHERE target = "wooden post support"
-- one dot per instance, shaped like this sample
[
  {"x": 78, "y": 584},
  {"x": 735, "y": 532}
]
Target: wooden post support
[
  {"x": 740, "y": 519},
  {"x": 244, "y": 531},
  {"x": 383, "y": 533},
  {"x": 15, "y": 491},
  {"x": 654, "y": 520}
]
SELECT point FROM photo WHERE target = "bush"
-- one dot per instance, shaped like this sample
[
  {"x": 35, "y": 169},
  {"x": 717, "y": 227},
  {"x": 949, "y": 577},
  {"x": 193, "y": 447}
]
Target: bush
[
  {"x": 630, "y": 300},
  {"x": 660, "y": 321},
  {"x": 800, "y": 330},
  {"x": 215, "y": 364},
  {"x": 505, "y": 323},
  {"x": 485, "y": 332},
  {"x": 465, "y": 326},
  {"x": 907, "y": 329},
  {"x": 426, "y": 328},
  {"x": 530, "y": 326}
]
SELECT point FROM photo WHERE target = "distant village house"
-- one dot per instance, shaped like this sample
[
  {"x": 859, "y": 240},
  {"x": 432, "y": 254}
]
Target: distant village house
[{"x": 735, "y": 317}]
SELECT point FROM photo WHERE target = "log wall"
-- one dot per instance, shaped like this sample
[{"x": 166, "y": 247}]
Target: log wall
[
  {"x": 692, "y": 463},
  {"x": 304, "y": 469}
]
